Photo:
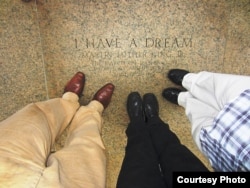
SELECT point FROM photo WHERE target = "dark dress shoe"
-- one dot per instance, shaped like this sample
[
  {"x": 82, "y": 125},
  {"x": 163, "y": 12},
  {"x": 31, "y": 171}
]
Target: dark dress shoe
[
  {"x": 177, "y": 75},
  {"x": 76, "y": 84},
  {"x": 151, "y": 106},
  {"x": 104, "y": 94},
  {"x": 171, "y": 94},
  {"x": 134, "y": 106}
]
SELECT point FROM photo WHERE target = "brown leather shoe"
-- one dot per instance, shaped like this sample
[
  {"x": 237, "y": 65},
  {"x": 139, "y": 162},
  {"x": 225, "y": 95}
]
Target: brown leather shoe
[
  {"x": 76, "y": 84},
  {"x": 104, "y": 94}
]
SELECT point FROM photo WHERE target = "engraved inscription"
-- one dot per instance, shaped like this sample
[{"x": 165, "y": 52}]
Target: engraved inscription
[
  {"x": 103, "y": 43},
  {"x": 96, "y": 49}
]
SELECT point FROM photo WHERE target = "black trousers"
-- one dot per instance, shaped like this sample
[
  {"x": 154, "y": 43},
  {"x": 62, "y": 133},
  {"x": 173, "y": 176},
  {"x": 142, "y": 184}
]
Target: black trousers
[{"x": 153, "y": 153}]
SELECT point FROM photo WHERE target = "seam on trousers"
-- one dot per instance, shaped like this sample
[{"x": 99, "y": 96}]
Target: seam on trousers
[{"x": 37, "y": 181}]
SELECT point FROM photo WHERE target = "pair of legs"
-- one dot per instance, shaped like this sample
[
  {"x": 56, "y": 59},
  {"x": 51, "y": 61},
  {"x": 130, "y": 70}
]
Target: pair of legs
[
  {"x": 205, "y": 96},
  {"x": 153, "y": 151},
  {"x": 27, "y": 136}
]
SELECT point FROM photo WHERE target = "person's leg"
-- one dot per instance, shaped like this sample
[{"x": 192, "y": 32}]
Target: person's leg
[
  {"x": 200, "y": 114},
  {"x": 140, "y": 167},
  {"x": 173, "y": 156},
  {"x": 27, "y": 136},
  {"x": 82, "y": 161},
  {"x": 215, "y": 89}
]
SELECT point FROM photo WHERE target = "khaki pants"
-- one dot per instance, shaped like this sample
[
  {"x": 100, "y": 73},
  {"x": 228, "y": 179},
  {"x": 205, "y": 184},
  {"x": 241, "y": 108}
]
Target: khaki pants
[{"x": 27, "y": 136}]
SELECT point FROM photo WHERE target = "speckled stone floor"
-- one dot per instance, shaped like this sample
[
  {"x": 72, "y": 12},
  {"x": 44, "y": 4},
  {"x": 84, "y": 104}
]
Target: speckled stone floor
[{"x": 127, "y": 42}]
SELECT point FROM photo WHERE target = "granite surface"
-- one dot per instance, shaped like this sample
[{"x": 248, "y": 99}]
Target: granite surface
[{"x": 127, "y": 42}]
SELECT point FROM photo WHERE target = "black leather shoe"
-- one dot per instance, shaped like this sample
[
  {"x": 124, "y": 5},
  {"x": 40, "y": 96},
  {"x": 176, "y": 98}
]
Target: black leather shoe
[
  {"x": 151, "y": 106},
  {"x": 171, "y": 94},
  {"x": 176, "y": 75},
  {"x": 134, "y": 106}
]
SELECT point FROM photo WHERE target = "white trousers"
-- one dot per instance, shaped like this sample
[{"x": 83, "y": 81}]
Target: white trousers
[
  {"x": 206, "y": 95},
  {"x": 27, "y": 136}
]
